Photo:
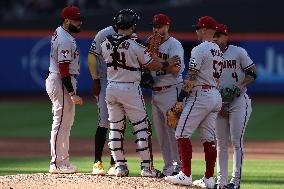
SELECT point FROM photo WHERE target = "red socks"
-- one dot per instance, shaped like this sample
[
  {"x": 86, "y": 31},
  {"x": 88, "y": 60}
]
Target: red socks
[
  {"x": 185, "y": 152},
  {"x": 210, "y": 158}
]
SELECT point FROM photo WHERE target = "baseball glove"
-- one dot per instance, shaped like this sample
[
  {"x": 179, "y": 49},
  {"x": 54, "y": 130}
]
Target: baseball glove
[
  {"x": 229, "y": 93},
  {"x": 147, "y": 80},
  {"x": 173, "y": 115},
  {"x": 154, "y": 42}
]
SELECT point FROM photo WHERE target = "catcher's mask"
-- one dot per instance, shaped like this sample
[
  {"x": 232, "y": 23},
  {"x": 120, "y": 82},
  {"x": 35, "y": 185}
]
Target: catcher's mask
[{"x": 125, "y": 19}]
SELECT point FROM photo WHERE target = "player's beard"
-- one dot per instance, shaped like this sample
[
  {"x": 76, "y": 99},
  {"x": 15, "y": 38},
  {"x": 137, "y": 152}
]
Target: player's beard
[{"x": 72, "y": 28}]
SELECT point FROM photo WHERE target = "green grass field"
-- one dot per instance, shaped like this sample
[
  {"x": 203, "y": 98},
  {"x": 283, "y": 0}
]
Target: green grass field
[
  {"x": 33, "y": 119},
  {"x": 257, "y": 174}
]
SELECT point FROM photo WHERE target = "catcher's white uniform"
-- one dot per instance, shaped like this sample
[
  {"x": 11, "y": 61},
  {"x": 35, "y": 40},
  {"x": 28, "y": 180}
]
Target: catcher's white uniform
[{"x": 124, "y": 96}]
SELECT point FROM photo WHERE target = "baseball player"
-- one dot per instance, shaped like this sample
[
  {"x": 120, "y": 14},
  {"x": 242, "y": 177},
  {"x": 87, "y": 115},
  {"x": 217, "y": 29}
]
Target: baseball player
[
  {"x": 167, "y": 85},
  {"x": 239, "y": 71},
  {"x": 124, "y": 55},
  {"x": 98, "y": 71},
  {"x": 61, "y": 88},
  {"x": 202, "y": 106}
]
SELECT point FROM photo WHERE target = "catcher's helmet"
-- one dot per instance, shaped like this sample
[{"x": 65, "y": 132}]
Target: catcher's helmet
[{"x": 125, "y": 19}]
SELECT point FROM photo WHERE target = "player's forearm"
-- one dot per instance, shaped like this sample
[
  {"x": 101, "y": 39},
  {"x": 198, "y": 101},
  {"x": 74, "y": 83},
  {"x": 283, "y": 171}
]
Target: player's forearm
[
  {"x": 155, "y": 66},
  {"x": 92, "y": 65},
  {"x": 188, "y": 84},
  {"x": 250, "y": 76}
]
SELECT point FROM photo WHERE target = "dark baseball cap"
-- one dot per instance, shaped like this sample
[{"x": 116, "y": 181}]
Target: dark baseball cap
[
  {"x": 71, "y": 12},
  {"x": 222, "y": 28},
  {"x": 160, "y": 20},
  {"x": 206, "y": 22}
]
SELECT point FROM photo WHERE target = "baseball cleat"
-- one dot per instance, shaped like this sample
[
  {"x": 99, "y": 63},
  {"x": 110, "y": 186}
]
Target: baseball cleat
[
  {"x": 205, "y": 183},
  {"x": 98, "y": 168},
  {"x": 217, "y": 186},
  {"x": 147, "y": 172},
  {"x": 62, "y": 169},
  {"x": 232, "y": 186},
  {"x": 111, "y": 171},
  {"x": 180, "y": 179},
  {"x": 121, "y": 171}
]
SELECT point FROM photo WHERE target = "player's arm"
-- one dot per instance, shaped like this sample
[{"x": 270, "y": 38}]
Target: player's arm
[
  {"x": 249, "y": 78},
  {"x": 188, "y": 84},
  {"x": 156, "y": 64},
  {"x": 176, "y": 50},
  {"x": 92, "y": 64}
]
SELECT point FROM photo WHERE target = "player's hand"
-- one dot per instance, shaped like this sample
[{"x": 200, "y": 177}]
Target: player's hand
[
  {"x": 77, "y": 99},
  {"x": 173, "y": 61},
  {"x": 224, "y": 112},
  {"x": 96, "y": 89}
]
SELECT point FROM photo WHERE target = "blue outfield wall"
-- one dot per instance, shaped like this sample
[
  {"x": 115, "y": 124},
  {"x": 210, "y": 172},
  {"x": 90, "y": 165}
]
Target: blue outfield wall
[{"x": 25, "y": 61}]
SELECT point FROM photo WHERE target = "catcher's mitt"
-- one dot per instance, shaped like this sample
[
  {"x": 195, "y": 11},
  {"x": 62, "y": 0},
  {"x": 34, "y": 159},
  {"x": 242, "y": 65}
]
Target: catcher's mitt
[
  {"x": 147, "y": 80},
  {"x": 173, "y": 115},
  {"x": 154, "y": 42},
  {"x": 229, "y": 93}
]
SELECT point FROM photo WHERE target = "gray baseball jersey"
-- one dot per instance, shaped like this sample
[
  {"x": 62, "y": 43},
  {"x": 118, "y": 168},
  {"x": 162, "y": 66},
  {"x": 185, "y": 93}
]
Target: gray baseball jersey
[
  {"x": 236, "y": 61},
  {"x": 63, "y": 50},
  {"x": 97, "y": 50},
  {"x": 161, "y": 104},
  {"x": 127, "y": 58},
  {"x": 205, "y": 100},
  {"x": 102, "y": 72},
  {"x": 168, "y": 49}
]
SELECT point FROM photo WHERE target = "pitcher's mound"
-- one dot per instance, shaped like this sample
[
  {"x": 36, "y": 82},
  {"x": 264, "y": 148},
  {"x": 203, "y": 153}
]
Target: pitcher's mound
[{"x": 80, "y": 181}]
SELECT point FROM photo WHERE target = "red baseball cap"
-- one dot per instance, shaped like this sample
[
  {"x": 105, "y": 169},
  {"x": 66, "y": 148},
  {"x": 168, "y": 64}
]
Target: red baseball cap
[
  {"x": 206, "y": 22},
  {"x": 71, "y": 12},
  {"x": 222, "y": 28},
  {"x": 160, "y": 20}
]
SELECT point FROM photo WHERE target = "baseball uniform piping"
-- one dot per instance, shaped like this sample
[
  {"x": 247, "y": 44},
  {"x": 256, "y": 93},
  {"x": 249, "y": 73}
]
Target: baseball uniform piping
[
  {"x": 241, "y": 139},
  {"x": 189, "y": 113},
  {"x": 61, "y": 118}
]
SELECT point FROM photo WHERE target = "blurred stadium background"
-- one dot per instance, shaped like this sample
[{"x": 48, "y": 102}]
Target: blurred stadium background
[{"x": 26, "y": 26}]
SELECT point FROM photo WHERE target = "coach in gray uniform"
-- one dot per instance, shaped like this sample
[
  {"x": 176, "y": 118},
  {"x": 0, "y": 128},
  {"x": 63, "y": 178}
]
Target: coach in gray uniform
[{"x": 167, "y": 85}]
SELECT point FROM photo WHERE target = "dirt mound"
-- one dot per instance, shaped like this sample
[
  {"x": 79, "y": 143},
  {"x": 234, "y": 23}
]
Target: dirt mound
[{"x": 80, "y": 181}]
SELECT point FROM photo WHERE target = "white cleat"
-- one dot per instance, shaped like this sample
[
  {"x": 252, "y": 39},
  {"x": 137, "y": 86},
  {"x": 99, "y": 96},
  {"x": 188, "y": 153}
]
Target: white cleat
[
  {"x": 180, "y": 179},
  {"x": 205, "y": 183},
  {"x": 111, "y": 171},
  {"x": 62, "y": 169},
  {"x": 147, "y": 172},
  {"x": 121, "y": 171}
]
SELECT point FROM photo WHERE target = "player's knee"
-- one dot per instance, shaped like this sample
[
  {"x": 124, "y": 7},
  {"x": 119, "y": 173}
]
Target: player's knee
[{"x": 142, "y": 144}]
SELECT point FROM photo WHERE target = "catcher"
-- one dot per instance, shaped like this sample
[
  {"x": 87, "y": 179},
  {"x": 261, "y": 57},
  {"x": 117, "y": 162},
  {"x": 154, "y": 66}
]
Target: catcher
[{"x": 167, "y": 83}]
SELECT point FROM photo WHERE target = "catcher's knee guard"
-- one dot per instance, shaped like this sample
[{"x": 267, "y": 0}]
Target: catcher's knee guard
[
  {"x": 142, "y": 134},
  {"x": 116, "y": 140}
]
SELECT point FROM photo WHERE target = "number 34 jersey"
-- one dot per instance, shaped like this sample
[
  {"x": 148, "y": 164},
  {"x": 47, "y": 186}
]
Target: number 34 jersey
[
  {"x": 236, "y": 61},
  {"x": 207, "y": 60},
  {"x": 130, "y": 56}
]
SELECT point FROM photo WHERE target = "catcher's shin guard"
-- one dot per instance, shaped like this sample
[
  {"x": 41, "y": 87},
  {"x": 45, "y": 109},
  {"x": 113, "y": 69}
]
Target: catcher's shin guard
[
  {"x": 116, "y": 141},
  {"x": 141, "y": 132}
]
